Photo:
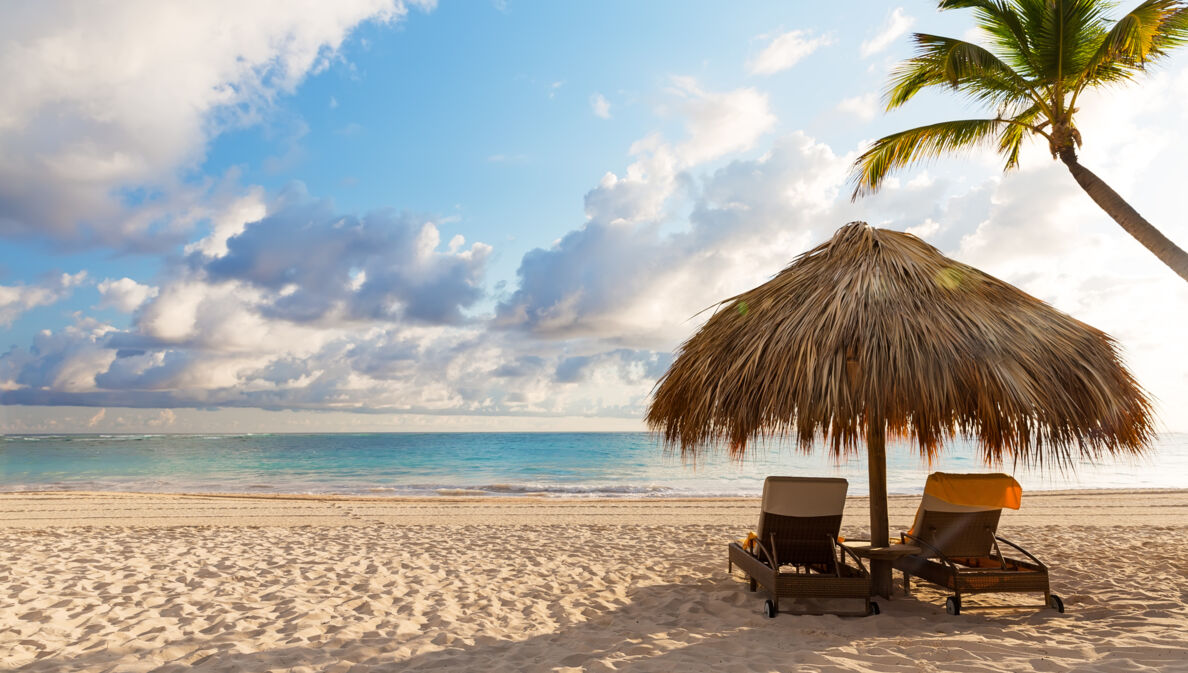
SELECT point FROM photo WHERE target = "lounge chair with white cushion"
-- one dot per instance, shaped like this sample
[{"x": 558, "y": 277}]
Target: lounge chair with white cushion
[{"x": 795, "y": 554}]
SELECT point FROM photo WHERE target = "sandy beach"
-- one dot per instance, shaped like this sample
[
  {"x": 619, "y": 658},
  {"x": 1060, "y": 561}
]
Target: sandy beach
[{"x": 147, "y": 582}]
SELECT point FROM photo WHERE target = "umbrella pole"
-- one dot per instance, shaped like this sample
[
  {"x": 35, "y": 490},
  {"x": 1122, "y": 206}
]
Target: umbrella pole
[{"x": 876, "y": 451}]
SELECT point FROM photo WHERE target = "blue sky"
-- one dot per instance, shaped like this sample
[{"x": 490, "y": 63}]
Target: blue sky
[{"x": 376, "y": 215}]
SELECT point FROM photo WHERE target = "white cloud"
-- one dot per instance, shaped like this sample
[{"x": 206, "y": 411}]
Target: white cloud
[
  {"x": 786, "y": 50},
  {"x": 896, "y": 24},
  {"x": 719, "y": 123},
  {"x": 620, "y": 279},
  {"x": 230, "y": 221},
  {"x": 407, "y": 276},
  {"x": 925, "y": 229},
  {"x": 124, "y": 294},
  {"x": 864, "y": 107},
  {"x": 716, "y": 124},
  {"x": 100, "y": 99},
  {"x": 58, "y": 363},
  {"x": 16, "y": 299},
  {"x": 276, "y": 364},
  {"x": 600, "y": 106}
]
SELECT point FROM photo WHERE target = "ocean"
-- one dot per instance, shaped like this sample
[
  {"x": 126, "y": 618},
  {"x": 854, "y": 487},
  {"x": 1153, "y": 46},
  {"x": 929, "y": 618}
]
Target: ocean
[{"x": 493, "y": 464}]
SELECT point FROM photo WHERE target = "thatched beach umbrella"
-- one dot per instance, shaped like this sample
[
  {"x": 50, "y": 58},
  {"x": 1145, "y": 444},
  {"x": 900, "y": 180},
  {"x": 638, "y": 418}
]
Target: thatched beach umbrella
[{"x": 876, "y": 333}]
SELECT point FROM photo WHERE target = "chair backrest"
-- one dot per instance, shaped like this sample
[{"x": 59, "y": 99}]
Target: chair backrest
[
  {"x": 803, "y": 514},
  {"x": 959, "y": 513}
]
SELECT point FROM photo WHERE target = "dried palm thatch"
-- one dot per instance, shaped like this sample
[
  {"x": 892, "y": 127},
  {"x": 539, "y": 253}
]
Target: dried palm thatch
[{"x": 876, "y": 329}]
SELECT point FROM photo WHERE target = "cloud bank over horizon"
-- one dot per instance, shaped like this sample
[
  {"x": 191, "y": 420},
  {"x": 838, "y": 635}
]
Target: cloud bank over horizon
[{"x": 271, "y": 297}]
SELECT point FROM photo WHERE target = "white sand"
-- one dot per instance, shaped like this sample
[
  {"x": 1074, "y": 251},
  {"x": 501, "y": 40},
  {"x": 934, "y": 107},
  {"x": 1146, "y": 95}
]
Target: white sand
[{"x": 126, "y": 582}]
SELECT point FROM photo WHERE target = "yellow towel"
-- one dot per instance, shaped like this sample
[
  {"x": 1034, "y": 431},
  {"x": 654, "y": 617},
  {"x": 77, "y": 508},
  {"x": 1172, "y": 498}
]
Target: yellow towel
[
  {"x": 748, "y": 542},
  {"x": 976, "y": 490}
]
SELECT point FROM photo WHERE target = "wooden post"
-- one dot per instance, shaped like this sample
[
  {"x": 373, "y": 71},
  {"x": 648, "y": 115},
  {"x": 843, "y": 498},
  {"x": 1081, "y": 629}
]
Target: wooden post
[{"x": 876, "y": 455}]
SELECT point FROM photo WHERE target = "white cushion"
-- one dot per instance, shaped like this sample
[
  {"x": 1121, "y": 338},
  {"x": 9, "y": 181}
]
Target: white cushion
[{"x": 804, "y": 496}]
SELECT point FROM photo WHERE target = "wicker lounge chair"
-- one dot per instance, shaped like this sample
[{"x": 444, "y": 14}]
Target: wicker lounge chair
[
  {"x": 796, "y": 554},
  {"x": 956, "y": 526}
]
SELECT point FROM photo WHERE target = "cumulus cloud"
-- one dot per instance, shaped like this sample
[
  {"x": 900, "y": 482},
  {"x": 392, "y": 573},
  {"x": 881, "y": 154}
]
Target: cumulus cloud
[
  {"x": 124, "y": 294},
  {"x": 786, "y": 50},
  {"x": 381, "y": 266},
  {"x": 600, "y": 106},
  {"x": 229, "y": 221},
  {"x": 864, "y": 107},
  {"x": 718, "y": 123},
  {"x": 302, "y": 308},
  {"x": 16, "y": 299},
  {"x": 63, "y": 362},
  {"x": 897, "y": 23},
  {"x": 398, "y": 368},
  {"x": 106, "y": 105},
  {"x": 621, "y": 278}
]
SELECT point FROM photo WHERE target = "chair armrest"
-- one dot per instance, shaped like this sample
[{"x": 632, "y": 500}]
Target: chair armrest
[
  {"x": 857, "y": 559},
  {"x": 1022, "y": 551},
  {"x": 934, "y": 550},
  {"x": 770, "y": 559}
]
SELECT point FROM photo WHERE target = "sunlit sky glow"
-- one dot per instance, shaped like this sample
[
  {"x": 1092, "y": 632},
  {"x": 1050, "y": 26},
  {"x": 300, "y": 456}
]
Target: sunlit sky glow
[{"x": 376, "y": 215}]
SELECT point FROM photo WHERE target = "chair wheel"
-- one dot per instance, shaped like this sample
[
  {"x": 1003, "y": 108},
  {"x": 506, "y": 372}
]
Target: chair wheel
[
  {"x": 874, "y": 608},
  {"x": 769, "y": 609},
  {"x": 953, "y": 605},
  {"x": 1056, "y": 603}
]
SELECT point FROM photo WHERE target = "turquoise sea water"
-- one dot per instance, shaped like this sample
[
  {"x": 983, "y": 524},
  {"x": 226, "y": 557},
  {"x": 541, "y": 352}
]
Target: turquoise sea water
[{"x": 556, "y": 464}]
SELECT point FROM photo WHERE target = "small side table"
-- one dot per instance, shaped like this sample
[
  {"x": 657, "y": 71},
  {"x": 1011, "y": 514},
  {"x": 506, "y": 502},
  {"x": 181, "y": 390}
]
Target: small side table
[{"x": 889, "y": 553}]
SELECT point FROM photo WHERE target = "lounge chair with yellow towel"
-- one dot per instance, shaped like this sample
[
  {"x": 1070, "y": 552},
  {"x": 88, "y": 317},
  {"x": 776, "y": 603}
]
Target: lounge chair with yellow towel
[
  {"x": 795, "y": 553},
  {"x": 956, "y": 527}
]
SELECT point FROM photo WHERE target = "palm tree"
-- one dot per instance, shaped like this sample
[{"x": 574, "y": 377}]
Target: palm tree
[{"x": 1046, "y": 53}]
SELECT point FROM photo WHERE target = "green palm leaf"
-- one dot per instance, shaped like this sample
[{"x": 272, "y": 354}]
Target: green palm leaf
[
  {"x": 1005, "y": 28},
  {"x": 1142, "y": 36},
  {"x": 919, "y": 144},
  {"x": 1010, "y": 142},
  {"x": 961, "y": 65}
]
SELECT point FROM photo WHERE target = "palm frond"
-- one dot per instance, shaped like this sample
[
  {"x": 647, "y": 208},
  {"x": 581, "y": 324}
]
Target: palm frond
[
  {"x": 1005, "y": 28},
  {"x": 1010, "y": 141},
  {"x": 1143, "y": 35},
  {"x": 905, "y": 148},
  {"x": 961, "y": 65},
  {"x": 1066, "y": 37},
  {"x": 1174, "y": 31}
]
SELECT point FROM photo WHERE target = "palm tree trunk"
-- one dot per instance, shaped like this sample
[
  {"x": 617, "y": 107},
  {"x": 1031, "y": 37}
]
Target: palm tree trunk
[{"x": 1128, "y": 218}]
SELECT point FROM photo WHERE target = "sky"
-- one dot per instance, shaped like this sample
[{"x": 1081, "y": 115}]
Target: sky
[{"x": 399, "y": 215}]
